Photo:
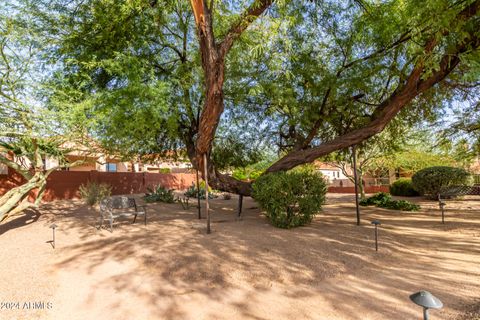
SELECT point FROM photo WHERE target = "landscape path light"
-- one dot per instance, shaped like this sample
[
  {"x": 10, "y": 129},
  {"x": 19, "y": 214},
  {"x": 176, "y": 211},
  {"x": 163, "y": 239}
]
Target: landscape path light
[
  {"x": 53, "y": 227},
  {"x": 355, "y": 176},
  {"x": 376, "y": 223},
  {"x": 442, "y": 206},
  {"x": 426, "y": 300}
]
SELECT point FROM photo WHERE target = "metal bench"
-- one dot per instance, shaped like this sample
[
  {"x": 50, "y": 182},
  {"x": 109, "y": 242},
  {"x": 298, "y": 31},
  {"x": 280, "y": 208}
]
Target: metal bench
[{"x": 112, "y": 208}]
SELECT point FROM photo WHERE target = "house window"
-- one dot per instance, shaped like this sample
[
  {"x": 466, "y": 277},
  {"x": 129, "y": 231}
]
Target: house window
[{"x": 111, "y": 167}]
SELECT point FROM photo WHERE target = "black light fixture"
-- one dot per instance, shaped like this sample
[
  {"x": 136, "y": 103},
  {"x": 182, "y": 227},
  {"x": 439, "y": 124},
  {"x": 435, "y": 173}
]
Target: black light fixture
[
  {"x": 53, "y": 227},
  {"x": 354, "y": 158},
  {"x": 240, "y": 204},
  {"x": 376, "y": 223},
  {"x": 426, "y": 300},
  {"x": 442, "y": 204}
]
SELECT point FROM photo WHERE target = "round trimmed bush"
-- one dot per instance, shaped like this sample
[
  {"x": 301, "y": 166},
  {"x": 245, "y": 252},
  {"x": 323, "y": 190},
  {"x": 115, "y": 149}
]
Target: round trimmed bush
[
  {"x": 292, "y": 198},
  {"x": 430, "y": 181},
  {"x": 403, "y": 187}
]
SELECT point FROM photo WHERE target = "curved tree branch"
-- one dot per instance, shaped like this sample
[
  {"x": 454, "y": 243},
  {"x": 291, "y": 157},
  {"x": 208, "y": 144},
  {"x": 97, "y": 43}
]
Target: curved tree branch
[
  {"x": 257, "y": 8},
  {"x": 386, "y": 111}
]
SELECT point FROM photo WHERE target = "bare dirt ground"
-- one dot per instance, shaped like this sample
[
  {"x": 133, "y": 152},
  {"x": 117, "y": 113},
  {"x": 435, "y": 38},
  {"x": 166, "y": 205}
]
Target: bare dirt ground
[{"x": 246, "y": 269}]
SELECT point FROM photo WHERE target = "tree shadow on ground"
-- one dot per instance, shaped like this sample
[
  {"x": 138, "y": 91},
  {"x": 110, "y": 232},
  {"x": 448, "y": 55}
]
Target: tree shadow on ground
[
  {"x": 27, "y": 217},
  {"x": 247, "y": 263}
]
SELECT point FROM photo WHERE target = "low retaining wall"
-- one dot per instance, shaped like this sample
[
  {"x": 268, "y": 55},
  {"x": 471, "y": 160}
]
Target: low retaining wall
[{"x": 65, "y": 184}]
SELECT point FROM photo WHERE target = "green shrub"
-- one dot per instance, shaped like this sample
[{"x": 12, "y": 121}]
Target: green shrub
[
  {"x": 192, "y": 191},
  {"x": 93, "y": 192},
  {"x": 164, "y": 170},
  {"x": 227, "y": 196},
  {"x": 430, "y": 181},
  {"x": 378, "y": 199},
  {"x": 247, "y": 174},
  {"x": 292, "y": 198},
  {"x": 159, "y": 194},
  {"x": 384, "y": 200},
  {"x": 203, "y": 185},
  {"x": 402, "y": 205},
  {"x": 403, "y": 187}
]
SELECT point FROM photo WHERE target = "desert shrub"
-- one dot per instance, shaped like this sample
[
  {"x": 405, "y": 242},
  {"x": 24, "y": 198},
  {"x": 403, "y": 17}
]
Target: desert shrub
[
  {"x": 403, "y": 187},
  {"x": 402, "y": 205},
  {"x": 227, "y": 196},
  {"x": 431, "y": 181},
  {"x": 378, "y": 199},
  {"x": 251, "y": 172},
  {"x": 290, "y": 199},
  {"x": 247, "y": 174},
  {"x": 159, "y": 194},
  {"x": 203, "y": 185},
  {"x": 384, "y": 200},
  {"x": 94, "y": 192},
  {"x": 192, "y": 191}
]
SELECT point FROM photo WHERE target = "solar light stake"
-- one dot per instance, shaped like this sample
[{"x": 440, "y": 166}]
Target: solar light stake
[
  {"x": 425, "y": 314},
  {"x": 426, "y": 300},
  {"x": 240, "y": 202},
  {"x": 53, "y": 226},
  {"x": 207, "y": 209},
  {"x": 354, "y": 156},
  {"x": 443, "y": 213},
  {"x": 198, "y": 195},
  {"x": 376, "y": 223},
  {"x": 442, "y": 204}
]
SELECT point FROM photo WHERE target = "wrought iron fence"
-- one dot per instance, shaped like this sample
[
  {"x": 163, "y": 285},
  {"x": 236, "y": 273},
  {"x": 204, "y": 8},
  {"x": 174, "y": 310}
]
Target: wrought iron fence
[{"x": 476, "y": 179}]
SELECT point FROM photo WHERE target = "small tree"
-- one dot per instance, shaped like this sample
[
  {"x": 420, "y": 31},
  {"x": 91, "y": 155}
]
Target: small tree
[
  {"x": 26, "y": 156},
  {"x": 29, "y": 133}
]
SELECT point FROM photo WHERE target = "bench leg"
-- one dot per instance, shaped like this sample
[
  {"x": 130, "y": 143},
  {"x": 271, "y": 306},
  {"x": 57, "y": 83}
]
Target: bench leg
[
  {"x": 101, "y": 223},
  {"x": 111, "y": 225},
  {"x": 145, "y": 218},
  {"x": 134, "y": 218}
]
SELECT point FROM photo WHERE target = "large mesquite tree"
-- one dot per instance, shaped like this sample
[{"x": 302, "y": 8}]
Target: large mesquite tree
[
  {"x": 298, "y": 70},
  {"x": 435, "y": 58}
]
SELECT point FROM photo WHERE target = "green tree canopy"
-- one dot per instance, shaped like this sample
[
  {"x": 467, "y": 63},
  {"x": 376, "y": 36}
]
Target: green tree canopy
[{"x": 304, "y": 78}]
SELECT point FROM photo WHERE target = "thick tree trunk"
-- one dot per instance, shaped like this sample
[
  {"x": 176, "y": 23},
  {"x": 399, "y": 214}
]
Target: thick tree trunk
[
  {"x": 212, "y": 109},
  {"x": 217, "y": 180},
  {"x": 227, "y": 183},
  {"x": 213, "y": 55},
  {"x": 16, "y": 199}
]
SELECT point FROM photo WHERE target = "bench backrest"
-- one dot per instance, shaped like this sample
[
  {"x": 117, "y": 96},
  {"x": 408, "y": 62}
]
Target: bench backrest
[{"x": 117, "y": 202}]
